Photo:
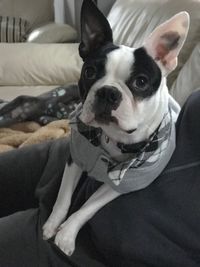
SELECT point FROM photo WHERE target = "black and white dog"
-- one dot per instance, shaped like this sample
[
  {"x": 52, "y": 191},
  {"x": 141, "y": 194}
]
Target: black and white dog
[{"x": 128, "y": 113}]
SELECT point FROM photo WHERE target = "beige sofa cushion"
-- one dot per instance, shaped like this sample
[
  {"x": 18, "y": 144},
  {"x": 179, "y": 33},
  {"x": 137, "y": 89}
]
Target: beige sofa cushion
[
  {"x": 10, "y": 92},
  {"x": 36, "y": 12},
  {"x": 133, "y": 20},
  {"x": 188, "y": 79},
  {"x": 39, "y": 64}
]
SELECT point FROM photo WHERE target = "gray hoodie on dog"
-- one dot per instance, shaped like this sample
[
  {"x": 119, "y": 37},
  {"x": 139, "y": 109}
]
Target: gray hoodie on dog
[{"x": 140, "y": 170}]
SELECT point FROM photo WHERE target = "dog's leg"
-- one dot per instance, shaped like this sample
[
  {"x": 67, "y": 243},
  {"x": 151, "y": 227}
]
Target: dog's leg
[
  {"x": 70, "y": 179},
  {"x": 65, "y": 238}
]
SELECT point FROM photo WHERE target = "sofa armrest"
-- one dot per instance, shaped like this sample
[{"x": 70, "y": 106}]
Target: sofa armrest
[
  {"x": 53, "y": 33},
  {"x": 39, "y": 64}
]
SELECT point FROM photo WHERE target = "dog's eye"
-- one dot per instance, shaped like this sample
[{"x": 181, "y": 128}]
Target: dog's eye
[
  {"x": 90, "y": 72},
  {"x": 141, "y": 82}
]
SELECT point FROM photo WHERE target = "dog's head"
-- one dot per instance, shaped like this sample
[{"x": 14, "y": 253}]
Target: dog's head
[{"x": 123, "y": 89}]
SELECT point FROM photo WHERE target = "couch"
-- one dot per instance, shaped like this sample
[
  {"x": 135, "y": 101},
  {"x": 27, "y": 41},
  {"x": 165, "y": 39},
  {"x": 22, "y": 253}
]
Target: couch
[
  {"x": 131, "y": 21},
  {"x": 33, "y": 67}
]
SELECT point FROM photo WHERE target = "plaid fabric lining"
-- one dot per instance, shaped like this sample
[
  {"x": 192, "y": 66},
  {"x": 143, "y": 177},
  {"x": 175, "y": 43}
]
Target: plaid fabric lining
[{"x": 144, "y": 158}]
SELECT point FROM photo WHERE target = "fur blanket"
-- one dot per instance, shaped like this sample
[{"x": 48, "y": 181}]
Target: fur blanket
[
  {"x": 28, "y": 120},
  {"x": 28, "y": 133},
  {"x": 54, "y": 105}
]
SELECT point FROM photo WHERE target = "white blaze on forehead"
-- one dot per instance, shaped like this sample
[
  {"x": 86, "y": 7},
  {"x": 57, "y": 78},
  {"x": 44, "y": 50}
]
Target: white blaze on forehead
[
  {"x": 119, "y": 63},
  {"x": 118, "y": 67}
]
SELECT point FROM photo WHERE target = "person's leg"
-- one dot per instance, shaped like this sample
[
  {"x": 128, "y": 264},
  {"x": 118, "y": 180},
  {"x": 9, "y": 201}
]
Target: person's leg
[
  {"x": 18, "y": 240},
  {"x": 158, "y": 226},
  {"x": 21, "y": 242},
  {"x": 188, "y": 133},
  {"x": 20, "y": 171}
]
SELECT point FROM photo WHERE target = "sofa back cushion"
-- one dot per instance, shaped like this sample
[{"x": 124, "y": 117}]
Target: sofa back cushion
[
  {"x": 36, "y": 12},
  {"x": 25, "y": 64},
  {"x": 133, "y": 20},
  {"x": 188, "y": 79}
]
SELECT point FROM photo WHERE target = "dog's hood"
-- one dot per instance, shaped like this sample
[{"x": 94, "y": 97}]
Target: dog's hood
[{"x": 136, "y": 173}]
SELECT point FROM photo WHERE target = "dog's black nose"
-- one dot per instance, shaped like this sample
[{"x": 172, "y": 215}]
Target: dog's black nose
[{"x": 109, "y": 95}]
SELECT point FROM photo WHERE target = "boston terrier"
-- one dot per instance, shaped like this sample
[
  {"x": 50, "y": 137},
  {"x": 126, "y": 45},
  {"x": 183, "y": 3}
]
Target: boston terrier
[{"x": 123, "y": 132}]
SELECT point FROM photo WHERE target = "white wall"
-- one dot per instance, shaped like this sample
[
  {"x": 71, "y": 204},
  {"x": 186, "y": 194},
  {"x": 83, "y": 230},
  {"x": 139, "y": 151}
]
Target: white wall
[
  {"x": 70, "y": 12},
  {"x": 59, "y": 11},
  {"x": 66, "y": 11}
]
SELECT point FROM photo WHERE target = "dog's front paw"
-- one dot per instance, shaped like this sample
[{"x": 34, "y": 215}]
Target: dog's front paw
[
  {"x": 49, "y": 230},
  {"x": 65, "y": 241},
  {"x": 66, "y": 235}
]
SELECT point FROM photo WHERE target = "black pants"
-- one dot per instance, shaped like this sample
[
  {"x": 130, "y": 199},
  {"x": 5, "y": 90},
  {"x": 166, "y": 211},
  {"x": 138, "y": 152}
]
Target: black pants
[{"x": 158, "y": 226}]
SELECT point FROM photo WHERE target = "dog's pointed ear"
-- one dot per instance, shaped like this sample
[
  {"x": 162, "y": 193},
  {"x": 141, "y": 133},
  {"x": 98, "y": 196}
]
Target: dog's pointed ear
[
  {"x": 95, "y": 29},
  {"x": 166, "y": 41}
]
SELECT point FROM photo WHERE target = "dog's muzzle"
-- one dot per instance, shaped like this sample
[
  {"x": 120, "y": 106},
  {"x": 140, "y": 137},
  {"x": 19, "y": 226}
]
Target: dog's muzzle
[{"x": 107, "y": 98}]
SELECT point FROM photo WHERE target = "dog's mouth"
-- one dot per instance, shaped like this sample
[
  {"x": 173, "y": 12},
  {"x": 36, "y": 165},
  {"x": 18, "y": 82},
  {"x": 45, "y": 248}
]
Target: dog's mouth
[
  {"x": 104, "y": 119},
  {"x": 131, "y": 131}
]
